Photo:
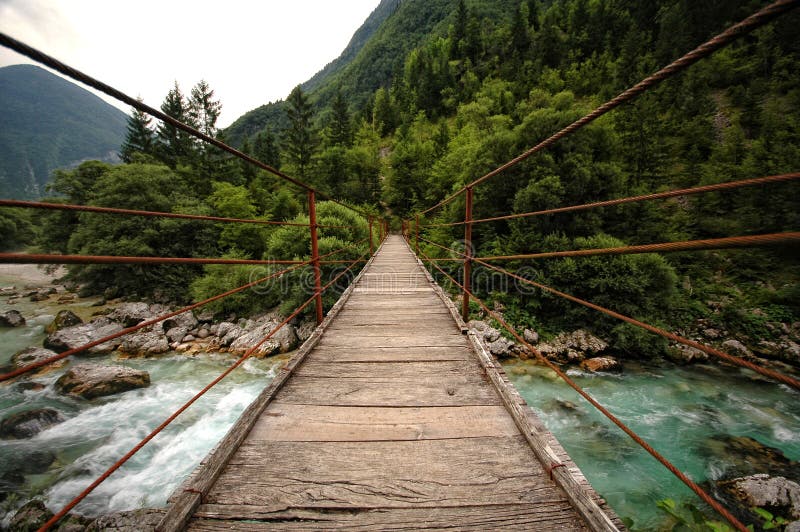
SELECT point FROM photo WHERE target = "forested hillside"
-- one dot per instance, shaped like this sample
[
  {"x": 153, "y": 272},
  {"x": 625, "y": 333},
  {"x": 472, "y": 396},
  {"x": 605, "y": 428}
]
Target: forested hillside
[
  {"x": 442, "y": 92},
  {"x": 78, "y": 126}
]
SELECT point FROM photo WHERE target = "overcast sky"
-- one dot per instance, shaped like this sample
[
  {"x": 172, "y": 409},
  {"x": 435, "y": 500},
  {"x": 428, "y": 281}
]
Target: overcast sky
[{"x": 250, "y": 51}]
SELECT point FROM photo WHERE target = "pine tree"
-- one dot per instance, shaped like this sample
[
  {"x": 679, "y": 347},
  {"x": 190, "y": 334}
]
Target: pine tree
[
  {"x": 520, "y": 40},
  {"x": 175, "y": 145},
  {"x": 266, "y": 150},
  {"x": 383, "y": 113},
  {"x": 341, "y": 133},
  {"x": 533, "y": 14},
  {"x": 459, "y": 31},
  {"x": 203, "y": 109},
  {"x": 300, "y": 138},
  {"x": 140, "y": 136}
]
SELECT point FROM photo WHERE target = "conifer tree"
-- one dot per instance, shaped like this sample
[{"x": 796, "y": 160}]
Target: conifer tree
[
  {"x": 340, "y": 133},
  {"x": 139, "y": 137},
  {"x": 300, "y": 138},
  {"x": 204, "y": 109},
  {"x": 266, "y": 150},
  {"x": 175, "y": 145}
]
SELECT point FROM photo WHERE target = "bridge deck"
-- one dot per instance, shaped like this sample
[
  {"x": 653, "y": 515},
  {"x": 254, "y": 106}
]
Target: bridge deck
[{"x": 389, "y": 422}]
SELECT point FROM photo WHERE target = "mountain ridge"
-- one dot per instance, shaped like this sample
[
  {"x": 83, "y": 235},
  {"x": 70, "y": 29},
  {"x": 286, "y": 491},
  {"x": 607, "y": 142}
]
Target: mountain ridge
[{"x": 50, "y": 123}]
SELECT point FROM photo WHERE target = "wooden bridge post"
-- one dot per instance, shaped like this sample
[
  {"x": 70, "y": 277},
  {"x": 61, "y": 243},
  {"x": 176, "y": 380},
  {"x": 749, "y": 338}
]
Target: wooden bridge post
[
  {"x": 468, "y": 255},
  {"x": 312, "y": 222},
  {"x": 371, "y": 245},
  {"x": 416, "y": 234}
]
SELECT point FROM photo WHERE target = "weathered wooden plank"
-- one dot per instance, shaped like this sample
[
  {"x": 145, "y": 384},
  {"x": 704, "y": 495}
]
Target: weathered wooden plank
[
  {"x": 392, "y": 354},
  {"x": 276, "y": 476},
  {"x": 376, "y": 391},
  {"x": 333, "y": 423},
  {"x": 511, "y": 517},
  {"x": 367, "y": 342},
  {"x": 388, "y": 370}
]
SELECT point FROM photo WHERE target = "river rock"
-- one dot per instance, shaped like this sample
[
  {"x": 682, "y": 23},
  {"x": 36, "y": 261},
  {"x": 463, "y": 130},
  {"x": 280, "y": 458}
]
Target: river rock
[
  {"x": 130, "y": 314},
  {"x": 30, "y": 517},
  {"x": 573, "y": 347},
  {"x": 779, "y": 495},
  {"x": 684, "y": 354},
  {"x": 176, "y": 334},
  {"x": 64, "y": 319},
  {"x": 282, "y": 341},
  {"x": 486, "y": 331},
  {"x": 89, "y": 381},
  {"x": 742, "y": 456},
  {"x": 11, "y": 318},
  {"x": 530, "y": 336},
  {"x": 8, "y": 291},
  {"x": 29, "y": 423},
  {"x": 501, "y": 347},
  {"x": 79, "y": 335},
  {"x": 185, "y": 320},
  {"x": 203, "y": 333},
  {"x": 205, "y": 317},
  {"x": 305, "y": 330},
  {"x": 145, "y": 343},
  {"x": 736, "y": 348},
  {"x": 32, "y": 355},
  {"x": 130, "y": 521},
  {"x": 601, "y": 364}
]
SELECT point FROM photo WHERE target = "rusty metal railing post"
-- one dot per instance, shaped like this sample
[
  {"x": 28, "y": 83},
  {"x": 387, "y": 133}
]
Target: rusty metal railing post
[
  {"x": 312, "y": 223},
  {"x": 467, "y": 255},
  {"x": 416, "y": 234}
]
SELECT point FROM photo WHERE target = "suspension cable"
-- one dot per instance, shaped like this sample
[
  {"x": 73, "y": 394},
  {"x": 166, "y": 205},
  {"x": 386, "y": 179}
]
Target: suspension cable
[
  {"x": 663, "y": 247},
  {"x": 646, "y": 197},
  {"x": 57, "y": 517},
  {"x": 756, "y": 20},
  {"x": 635, "y": 437},
  {"x": 159, "y": 319},
  {"x": 25, "y": 258}
]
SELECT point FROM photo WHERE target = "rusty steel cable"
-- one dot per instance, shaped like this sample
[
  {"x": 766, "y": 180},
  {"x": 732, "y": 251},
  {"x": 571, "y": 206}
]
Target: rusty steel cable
[
  {"x": 159, "y": 319},
  {"x": 25, "y": 258},
  {"x": 782, "y": 178},
  {"x": 769, "y": 239},
  {"x": 635, "y": 437},
  {"x": 756, "y": 20},
  {"x": 119, "y": 463},
  {"x": 132, "y": 212},
  {"x": 155, "y": 214}
]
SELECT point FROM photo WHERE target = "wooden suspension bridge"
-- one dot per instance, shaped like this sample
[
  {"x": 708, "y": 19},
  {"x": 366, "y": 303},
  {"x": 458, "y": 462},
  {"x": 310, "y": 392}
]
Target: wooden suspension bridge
[{"x": 392, "y": 416}]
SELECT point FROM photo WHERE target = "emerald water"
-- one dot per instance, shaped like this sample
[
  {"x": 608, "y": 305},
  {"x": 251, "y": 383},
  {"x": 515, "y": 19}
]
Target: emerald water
[
  {"x": 680, "y": 411},
  {"x": 58, "y": 463}
]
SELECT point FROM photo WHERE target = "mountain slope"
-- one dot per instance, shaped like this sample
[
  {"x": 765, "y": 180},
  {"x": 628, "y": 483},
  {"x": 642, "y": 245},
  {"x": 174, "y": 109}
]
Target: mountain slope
[
  {"x": 48, "y": 123},
  {"x": 377, "y": 48}
]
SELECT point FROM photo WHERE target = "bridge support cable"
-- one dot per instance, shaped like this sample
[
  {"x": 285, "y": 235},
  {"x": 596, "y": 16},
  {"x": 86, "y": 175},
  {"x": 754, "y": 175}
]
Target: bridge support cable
[
  {"x": 63, "y": 512},
  {"x": 635, "y": 437},
  {"x": 154, "y": 321},
  {"x": 754, "y": 21},
  {"x": 780, "y": 377},
  {"x": 717, "y": 187},
  {"x": 769, "y": 239},
  {"x": 25, "y": 258}
]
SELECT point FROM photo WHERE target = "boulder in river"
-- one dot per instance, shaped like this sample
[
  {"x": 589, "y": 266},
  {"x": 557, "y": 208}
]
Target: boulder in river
[
  {"x": 30, "y": 517},
  {"x": 11, "y": 318},
  {"x": 79, "y": 335},
  {"x": 129, "y": 521},
  {"x": 601, "y": 364},
  {"x": 90, "y": 381},
  {"x": 64, "y": 319},
  {"x": 573, "y": 347},
  {"x": 144, "y": 343},
  {"x": 32, "y": 355},
  {"x": 29, "y": 423}
]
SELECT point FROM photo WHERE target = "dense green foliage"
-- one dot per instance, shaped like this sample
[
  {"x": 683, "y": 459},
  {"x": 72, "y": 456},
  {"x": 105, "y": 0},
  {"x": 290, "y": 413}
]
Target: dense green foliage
[{"x": 49, "y": 123}]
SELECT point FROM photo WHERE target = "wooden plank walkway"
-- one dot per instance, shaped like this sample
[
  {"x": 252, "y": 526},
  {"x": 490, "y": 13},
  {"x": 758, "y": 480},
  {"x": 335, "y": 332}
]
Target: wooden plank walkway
[{"x": 392, "y": 420}]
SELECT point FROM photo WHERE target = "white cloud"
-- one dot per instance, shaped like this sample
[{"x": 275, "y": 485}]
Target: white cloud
[{"x": 250, "y": 52}]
